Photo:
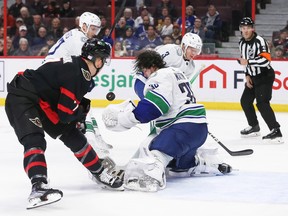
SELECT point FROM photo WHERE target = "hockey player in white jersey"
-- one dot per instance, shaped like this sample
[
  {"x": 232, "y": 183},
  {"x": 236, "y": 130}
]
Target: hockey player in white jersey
[
  {"x": 181, "y": 127},
  {"x": 70, "y": 44},
  {"x": 175, "y": 56}
]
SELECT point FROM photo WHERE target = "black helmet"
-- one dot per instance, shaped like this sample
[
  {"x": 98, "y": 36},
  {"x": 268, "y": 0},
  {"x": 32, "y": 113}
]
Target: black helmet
[
  {"x": 247, "y": 21},
  {"x": 94, "y": 48}
]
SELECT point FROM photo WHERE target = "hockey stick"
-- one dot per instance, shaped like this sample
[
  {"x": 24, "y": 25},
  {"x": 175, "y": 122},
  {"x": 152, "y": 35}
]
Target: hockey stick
[
  {"x": 197, "y": 73},
  {"x": 232, "y": 153},
  {"x": 121, "y": 9}
]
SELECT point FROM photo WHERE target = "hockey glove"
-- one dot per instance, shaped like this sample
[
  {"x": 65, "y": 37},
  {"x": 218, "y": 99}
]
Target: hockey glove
[
  {"x": 119, "y": 117},
  {"x": 84, "y": 107}
]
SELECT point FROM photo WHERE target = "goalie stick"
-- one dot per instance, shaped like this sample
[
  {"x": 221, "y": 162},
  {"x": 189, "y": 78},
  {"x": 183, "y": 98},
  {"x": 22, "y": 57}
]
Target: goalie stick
[{"x": 232, "y": 153}]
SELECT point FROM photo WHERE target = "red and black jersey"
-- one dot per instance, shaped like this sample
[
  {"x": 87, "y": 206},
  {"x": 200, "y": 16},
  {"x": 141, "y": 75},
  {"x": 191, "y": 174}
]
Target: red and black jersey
[{"x": 61, "y": 85}]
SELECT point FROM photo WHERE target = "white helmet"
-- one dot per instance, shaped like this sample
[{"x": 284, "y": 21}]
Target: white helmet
[
  {"x": 89, "y": 19},
  {"x": 191, "y": 40}
]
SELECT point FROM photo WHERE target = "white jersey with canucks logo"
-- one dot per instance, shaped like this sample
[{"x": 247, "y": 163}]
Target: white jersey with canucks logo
[
  {"x": 178, "y": 107},
  {"x": 70, "y": 44},
  {"x": 172, "y": 54}
]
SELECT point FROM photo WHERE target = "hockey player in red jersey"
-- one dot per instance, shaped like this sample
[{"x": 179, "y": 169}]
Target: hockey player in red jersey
[{"x": 51, "y": 99}]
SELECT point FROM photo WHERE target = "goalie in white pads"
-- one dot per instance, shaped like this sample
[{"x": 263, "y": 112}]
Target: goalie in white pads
[
  {"x": 70, "y": 44},
  {"x": 181, "y": 127}
]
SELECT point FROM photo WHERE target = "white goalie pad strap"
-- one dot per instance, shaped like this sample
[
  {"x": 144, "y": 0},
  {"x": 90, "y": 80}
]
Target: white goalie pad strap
[{"x": 144, "y": 174}]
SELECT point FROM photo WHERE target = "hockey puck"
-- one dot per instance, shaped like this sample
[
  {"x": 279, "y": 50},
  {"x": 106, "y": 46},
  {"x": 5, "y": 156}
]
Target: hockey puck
[{"x": 110, "y": 96}]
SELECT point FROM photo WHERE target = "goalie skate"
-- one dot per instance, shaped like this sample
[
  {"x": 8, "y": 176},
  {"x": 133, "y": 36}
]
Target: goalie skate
[{"x": 43, "y": 195}]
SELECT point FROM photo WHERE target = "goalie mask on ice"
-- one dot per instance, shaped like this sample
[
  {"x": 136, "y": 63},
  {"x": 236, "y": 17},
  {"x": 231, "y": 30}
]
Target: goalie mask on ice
[{"x": 119, "y": 117}]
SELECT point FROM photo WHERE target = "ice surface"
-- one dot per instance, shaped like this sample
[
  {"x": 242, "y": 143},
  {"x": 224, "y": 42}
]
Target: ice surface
[{"x": 260, "y": 187}]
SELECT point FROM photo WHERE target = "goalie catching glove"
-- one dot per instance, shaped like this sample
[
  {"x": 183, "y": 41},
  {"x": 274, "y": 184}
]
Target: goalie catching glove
[{"x": 119, "y": 117}]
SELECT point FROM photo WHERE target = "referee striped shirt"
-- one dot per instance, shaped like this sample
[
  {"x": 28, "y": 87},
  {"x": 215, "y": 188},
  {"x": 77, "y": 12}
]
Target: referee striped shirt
[{"x": 257, "y": 52}]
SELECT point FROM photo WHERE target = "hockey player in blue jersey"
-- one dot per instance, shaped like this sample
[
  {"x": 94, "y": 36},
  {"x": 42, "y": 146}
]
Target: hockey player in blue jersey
[{"x": 180, "y": 128}]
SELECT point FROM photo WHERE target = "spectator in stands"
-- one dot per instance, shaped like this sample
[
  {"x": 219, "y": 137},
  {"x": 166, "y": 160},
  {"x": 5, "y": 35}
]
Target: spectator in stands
[
  {"x": 160, "y": 19},
  {"x": 65, "y": 29},
  {"x": 167, "y": 28},
  {"x": 43, "y": 51},
  {"x": 151, "y": 40},
  {"x": 50, "y": 41},
  {"x": 37, "y": 23},
  {"x": 128, "y": 15},
  {"x": 141, "y": 31},
  {"x": 106, "y": 36},
  {"x": 120, "y": 28},
  {"x": 1, "y": 47},
  {"x": 40, "y": 40},
  {"x": 10, "y": 48},
  {"x": 212, "y": 23},
  {"x": 197, "y": 28},
  {"x": 171, "y": 7},
  {"x": 52, "y": 9},
  {"x": 129, "y": 41},
  {"x": 282, "y": 40},
  {"x": 23, "y": 49},
  {"x": 167, "y": 39},
  {"x": 190, "y": 18},
  {"x": 119, "y": 50},
  {"x": 143, "y": 12},
  {"x": 15, "y": 30},
  {"x": 10, "y": 19},
  {"x": 279, "y": 53},
  {"x": 22, "y": 34},
  {"x": 55, "y": 28},
  {"x": 67, "y": 10},
  {"x": 27, "y": 18},
  {"x": 14, "y": 9},
  {"x": 37, "y": 7},
  {"x": 2, "y": 32},
  {"x": 176, "y": 35}
]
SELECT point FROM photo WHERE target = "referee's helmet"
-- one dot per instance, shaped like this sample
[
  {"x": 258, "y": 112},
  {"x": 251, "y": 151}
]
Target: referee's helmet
[{"x": 246, "y": 21}]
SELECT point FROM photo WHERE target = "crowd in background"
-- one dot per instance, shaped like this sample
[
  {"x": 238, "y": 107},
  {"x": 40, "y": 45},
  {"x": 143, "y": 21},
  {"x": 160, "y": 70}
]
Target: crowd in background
[{"x": 34, "y": 26}]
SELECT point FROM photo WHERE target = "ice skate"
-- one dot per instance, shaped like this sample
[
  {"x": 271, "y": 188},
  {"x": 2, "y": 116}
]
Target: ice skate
[
  {"x": 42, "y": 194},
  {"x": 275, "y": 136},
  {"x": 251, "y": 131},
  {"x": 108, "y": 178}
]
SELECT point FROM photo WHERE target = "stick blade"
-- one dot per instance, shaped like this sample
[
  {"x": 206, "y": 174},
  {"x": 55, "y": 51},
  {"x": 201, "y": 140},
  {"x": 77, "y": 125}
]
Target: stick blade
[{"x": 241, "y": 153}]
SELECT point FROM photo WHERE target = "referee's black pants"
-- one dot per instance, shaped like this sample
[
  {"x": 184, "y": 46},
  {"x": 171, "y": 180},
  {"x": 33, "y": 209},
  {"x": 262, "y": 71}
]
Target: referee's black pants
[{"x": 262, "y": 92}]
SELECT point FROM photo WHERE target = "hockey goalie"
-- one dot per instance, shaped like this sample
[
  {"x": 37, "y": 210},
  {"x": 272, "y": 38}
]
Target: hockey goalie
[{"x": 172, "y": 149}]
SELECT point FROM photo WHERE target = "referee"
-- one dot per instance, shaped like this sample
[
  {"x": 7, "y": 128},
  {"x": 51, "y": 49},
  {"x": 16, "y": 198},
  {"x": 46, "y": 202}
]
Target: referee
[{"x": 256, "y": 58}]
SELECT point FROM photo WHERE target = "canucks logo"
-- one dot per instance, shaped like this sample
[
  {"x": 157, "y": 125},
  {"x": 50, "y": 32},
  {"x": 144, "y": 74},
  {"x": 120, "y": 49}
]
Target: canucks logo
[
  {"x": 86, "y": 74},
  {"x": 36, "y": 121}
]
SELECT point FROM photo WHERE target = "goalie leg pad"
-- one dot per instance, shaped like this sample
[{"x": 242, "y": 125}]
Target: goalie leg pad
[
  {"x": 144, "y": 174},
  {"x": 208, "y": 164}
]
